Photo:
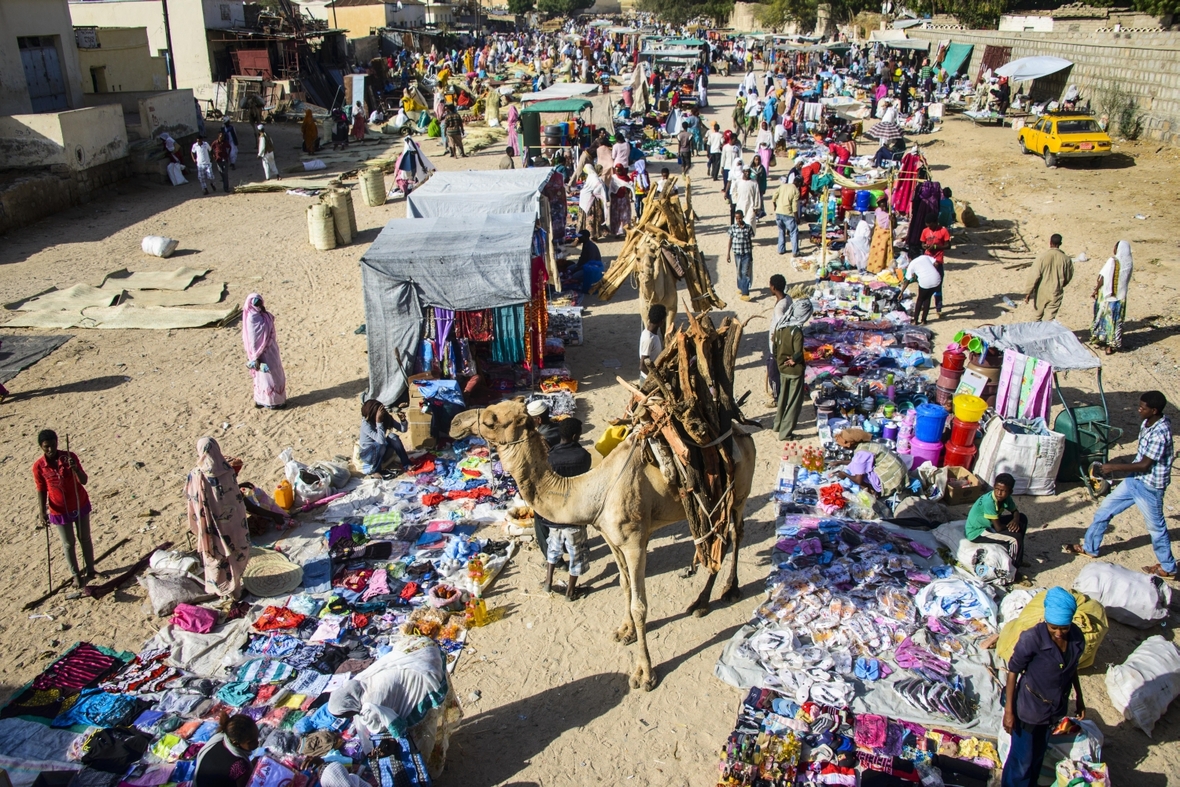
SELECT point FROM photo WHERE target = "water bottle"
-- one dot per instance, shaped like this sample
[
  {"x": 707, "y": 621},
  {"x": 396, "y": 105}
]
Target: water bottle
[{"x": 1009, "y": 302}]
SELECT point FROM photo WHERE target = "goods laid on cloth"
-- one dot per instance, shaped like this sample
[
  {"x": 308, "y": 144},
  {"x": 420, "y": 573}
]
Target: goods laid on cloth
[
  {"x": 373, "y": 186},
  {"x": 159, "y": 246},
  {"x": 852, "y": 633},
  {"x": 686, "y": 413},
  {"x": 270, "y": 574},
  {"x": 321, "y": 226},
  {"x": 1142, "y": 687},
  {"x": 19, "y": 352},
  {"x": 664, "y": 237},
  {"x": 361, "y": 636},
  {"x": 1130, "y": 597},
  {"x": 1090, "y": 617}
]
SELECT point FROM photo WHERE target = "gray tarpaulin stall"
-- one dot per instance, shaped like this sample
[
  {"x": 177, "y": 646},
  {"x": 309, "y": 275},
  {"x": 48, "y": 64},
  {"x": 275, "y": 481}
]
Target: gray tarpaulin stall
[
  {"x": 418, "y": 263},
  {"x": 473, "y": 192}
]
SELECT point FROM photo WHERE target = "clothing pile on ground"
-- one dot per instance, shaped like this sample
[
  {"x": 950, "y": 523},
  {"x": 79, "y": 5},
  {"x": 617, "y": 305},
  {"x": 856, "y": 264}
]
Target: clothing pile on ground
[{"x": 393, "y": 574}]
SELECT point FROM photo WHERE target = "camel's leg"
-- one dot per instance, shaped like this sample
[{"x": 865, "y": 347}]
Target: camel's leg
[
  {"x": 700, "y": 607},
  {"x": 626, "y": 632},
  {"x": 733, "y": 591},
  {"x": 636, "y": 553}
]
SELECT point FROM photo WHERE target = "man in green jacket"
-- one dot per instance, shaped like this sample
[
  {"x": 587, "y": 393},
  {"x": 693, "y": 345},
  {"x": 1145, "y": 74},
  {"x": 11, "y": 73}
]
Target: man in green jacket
[{"x": 787, "y": 346}]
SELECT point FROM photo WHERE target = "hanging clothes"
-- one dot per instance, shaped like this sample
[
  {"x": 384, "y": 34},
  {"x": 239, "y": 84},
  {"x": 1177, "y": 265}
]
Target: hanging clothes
[
  {"x": 508, "y": 342},
  {"x": 927, "y": 199},
  {"x": 904, "y": 186},
  {"x": 1025, "y": 387},
  {"x": 476, "y": 326}
]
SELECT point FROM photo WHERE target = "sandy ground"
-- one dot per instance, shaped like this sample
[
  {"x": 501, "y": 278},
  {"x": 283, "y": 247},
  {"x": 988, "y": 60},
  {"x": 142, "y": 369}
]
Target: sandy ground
[{"x": 545, "y": 690}]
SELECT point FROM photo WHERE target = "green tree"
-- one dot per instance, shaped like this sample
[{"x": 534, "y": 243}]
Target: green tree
[
  {"x": 779, "y": 13},
  {"x": 678, "y": 12},
  {"x": 520, "y": 7},
  {"x": 975, "y": 14},
  {"x": 563, "y": 7}
]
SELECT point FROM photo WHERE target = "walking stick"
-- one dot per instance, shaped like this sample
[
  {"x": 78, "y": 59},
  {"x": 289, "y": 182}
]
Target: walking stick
[{"x": 48, "y": 556}]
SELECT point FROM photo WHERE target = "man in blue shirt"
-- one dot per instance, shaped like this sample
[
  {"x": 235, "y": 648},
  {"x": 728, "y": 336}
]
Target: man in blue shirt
[
  {"x": 377, "y": 448},
  {"x": 1151, "y": 472}
]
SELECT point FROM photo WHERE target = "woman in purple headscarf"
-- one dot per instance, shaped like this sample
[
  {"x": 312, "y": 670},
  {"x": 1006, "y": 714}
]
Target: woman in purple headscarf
[
  {"x": 513, "y": 121},
  {"x": 262, "y": 354}
]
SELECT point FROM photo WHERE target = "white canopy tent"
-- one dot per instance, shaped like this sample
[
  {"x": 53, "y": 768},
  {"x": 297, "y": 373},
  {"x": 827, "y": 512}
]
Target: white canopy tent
[
  {"x": 560, "y": 90},
  {"x": 1026, "y": 68}
]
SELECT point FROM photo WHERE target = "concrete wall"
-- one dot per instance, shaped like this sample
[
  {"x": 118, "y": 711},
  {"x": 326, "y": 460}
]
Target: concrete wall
[
  {"x": 744, "y": 20},
  {"x": 1013, "y": 23},
  {"x": 190, "y": 43},
  {"x": 222, "y": 14},
  {"x": 21, "y": 18},
  {"x": 125, "y": 60},
  {"x": 78, "y": 139},
  {"x": 33, "y": 196},
  {"x": 358, "y": 20},
  {"x": 173, "y": 112},
  {"x": 1144, "y": 64}
]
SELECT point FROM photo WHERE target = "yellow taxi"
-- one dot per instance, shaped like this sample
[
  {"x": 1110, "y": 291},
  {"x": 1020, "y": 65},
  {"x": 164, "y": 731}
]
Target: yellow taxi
[{"x": 1062, "y": 135}]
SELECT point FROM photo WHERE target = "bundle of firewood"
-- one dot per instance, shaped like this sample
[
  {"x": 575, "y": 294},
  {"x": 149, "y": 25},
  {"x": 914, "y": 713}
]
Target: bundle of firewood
[
  {"x": 685, "y": 410},
  {"x": 664, "y": 235}
]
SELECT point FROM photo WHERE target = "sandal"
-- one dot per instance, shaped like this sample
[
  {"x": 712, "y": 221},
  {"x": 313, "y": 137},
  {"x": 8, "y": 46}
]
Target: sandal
[
  {"x": 1075, "y": 549},
  {"x": 1158, "y": 571}
]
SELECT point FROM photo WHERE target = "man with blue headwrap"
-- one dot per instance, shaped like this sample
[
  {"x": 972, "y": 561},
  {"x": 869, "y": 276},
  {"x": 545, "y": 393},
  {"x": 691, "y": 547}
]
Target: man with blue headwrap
[{"x": 1041, "y": 672}]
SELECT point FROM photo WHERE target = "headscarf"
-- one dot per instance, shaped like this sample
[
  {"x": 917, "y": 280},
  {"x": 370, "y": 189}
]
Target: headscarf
[
  {"x": 780, "y": 316},
  {"x": 169, "y": 142},
  {"x": 258, "y": 327},
  {"x": 369, "y": 410},
  {"x": 349, "y": 698},
  {"x": 640, "y": 177},
  {"x": 308, "y": 121},
  {"x": 857, "y": 250},
  {"x": 214, "y": 502},
  {"x": 1060, "y": 605},
  {"x": 1120, "y": 277},
  {"x": 801, "y": 311}
]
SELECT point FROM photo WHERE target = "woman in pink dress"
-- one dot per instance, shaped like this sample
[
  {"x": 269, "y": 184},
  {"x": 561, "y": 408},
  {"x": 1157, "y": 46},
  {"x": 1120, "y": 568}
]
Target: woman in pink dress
[
  {"x": 262, "y": 354},
  {"x": 513, "y": 120}
]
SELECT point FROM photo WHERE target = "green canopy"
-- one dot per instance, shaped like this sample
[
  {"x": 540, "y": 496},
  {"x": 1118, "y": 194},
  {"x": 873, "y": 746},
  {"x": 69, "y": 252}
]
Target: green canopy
[
  {"x": 956, "y": 57},
  {"x": 558, "y": 105},
  {"x": 670, "y": 42}
]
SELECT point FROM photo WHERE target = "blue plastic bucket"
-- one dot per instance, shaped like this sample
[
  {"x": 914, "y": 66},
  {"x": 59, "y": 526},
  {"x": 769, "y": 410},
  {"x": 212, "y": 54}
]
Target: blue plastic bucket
[
  {"x": 931, "y": 421},
  {"x": 863, "y": 200}
]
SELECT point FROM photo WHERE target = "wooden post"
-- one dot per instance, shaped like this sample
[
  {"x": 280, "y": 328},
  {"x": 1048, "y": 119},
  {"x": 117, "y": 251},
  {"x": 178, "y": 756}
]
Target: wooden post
[{"x": 823, "y": 233}]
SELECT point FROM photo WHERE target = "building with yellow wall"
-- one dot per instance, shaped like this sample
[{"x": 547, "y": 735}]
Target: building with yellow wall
[{"x": 118, "y": 60}]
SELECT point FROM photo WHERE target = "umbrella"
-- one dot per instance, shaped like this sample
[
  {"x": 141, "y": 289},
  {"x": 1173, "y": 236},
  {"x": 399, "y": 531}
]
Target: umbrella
[
  {"x": 885, "y": 131},
  {"x": 1026, "y": 68}
]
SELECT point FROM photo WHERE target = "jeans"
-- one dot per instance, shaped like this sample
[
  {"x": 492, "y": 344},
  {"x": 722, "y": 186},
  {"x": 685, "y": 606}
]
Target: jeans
[
  {"x": 787, "y": 226},
  {"x": 745, "y": 272},
  {"x": 79, "y": 533},
  {"x": 1150, "y": 501},
  {"x": 1027, "y": 752},
  {"x": 224, "y": 167},
  {"x": 938, "y": 290},
  {"x": 714, "y": 165},
  {"x": 639, "y": 205}
]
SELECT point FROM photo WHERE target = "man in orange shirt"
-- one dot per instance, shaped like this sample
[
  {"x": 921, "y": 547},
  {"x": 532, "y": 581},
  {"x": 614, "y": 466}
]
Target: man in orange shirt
[
  {"x": 935, "y": 240},
  {"x": 63, "y": 502}
]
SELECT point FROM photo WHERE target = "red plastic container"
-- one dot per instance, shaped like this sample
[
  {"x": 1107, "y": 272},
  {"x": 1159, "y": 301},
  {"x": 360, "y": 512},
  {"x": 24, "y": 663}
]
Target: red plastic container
[
  {"x": 958, "y": 456},
  {"x": 953, "y": 361},
  {"x": 963, "y": 434},
  {"x": 949, "y": 379}
]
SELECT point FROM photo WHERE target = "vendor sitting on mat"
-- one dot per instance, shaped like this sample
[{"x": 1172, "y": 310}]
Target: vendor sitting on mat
[
  {"x": 377, "y": 448},
  {"x": 873, "y": 465},
  {"x": 994, "y": 519}
]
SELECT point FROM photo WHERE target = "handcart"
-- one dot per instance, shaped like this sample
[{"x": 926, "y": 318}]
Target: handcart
[{"x": 1087, "y": 430}]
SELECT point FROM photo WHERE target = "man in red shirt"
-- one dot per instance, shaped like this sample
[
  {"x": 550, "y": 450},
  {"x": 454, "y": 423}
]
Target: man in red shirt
[
  {"x": 61, "y": 493},
  {"x": 935, "y": 240}
]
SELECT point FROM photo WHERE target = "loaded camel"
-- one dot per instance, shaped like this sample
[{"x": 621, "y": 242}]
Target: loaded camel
[{"x": 624, "y": 497}]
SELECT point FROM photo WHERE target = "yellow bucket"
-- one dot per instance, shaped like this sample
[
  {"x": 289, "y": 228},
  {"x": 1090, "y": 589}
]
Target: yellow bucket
[{"x": 610, "y": 438}]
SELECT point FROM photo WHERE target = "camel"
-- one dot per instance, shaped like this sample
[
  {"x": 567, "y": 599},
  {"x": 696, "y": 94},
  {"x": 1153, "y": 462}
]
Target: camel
[{"x": 624, "y": 497}]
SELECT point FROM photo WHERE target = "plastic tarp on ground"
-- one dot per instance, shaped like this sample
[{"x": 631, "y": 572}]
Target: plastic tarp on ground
[
  {"x": 1026, "y": 68},
  {"x": 560, "y": 90},
  {"x": 417, "y": 263},
  {"x": 956, "y": 57},
  {"x": 1051, "y": 342},
  {"x": 479, "y": 191}
]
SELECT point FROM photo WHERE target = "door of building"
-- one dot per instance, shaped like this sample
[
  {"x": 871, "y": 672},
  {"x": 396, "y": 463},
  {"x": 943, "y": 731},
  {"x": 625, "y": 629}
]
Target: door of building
[
  {"x": 47, "y": 88},
  {"x": 98, "y": 75}
]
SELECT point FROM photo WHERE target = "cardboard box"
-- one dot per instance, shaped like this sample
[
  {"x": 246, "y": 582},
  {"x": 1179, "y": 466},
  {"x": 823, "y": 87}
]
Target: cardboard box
[
  {"x": 415, "y": 396},
  {"x": 419, "y": 434},
  {"x": 963, "y": 487}
]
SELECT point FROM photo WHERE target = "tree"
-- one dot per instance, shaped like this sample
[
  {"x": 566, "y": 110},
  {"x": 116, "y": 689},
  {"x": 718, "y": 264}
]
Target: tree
[
  {"x": 974, "y": 14},
  {"x": 678, "y": 12},
  {"x": 563, "y": 7},
  {"x": 779, "y": 13},
  {"x": 520, "y": 7}
]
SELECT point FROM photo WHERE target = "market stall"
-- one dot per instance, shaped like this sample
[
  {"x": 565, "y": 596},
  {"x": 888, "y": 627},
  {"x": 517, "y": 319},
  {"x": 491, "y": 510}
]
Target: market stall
[{"x": 440, "y": 296}]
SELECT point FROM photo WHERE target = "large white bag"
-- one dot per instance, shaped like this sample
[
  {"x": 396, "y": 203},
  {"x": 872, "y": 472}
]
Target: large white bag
[
  {"x": 1130, "y": 597},
  {"x": 159, "y": 246},
  {"x": 1142, "y": 686},
  {"x": 1033, "y": 460},
  {"x": 991, "y": 563}
]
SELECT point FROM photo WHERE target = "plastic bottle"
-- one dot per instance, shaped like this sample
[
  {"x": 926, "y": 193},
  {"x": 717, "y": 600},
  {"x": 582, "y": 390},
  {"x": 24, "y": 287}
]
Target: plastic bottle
[
  {"x": 284, "y": 495},
  {"x": 475, "y": 570}
]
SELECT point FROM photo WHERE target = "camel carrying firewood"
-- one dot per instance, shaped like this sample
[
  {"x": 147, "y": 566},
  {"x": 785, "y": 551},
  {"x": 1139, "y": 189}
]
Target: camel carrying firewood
[{"x": 686, "y": 458}]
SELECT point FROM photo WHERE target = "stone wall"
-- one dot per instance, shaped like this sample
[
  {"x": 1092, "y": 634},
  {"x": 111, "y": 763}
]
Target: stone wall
[
  {"x": 28, "y": 197},
  {"x": 1144, "y": 64}
]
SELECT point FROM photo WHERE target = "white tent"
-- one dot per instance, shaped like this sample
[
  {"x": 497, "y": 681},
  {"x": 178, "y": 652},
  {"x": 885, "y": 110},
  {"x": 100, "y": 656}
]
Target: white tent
[
  {"x": 1026, "y": 68},
  {"x": 560, "y": 90}
]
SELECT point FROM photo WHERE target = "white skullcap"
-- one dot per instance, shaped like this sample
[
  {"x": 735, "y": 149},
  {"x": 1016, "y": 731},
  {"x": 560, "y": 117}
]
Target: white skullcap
[{"x": 537, "y": 407}]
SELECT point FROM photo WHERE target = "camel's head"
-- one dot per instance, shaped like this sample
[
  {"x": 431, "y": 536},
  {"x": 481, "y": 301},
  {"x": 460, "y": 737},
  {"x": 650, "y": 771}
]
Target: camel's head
[{"x": 501, "y": 424}]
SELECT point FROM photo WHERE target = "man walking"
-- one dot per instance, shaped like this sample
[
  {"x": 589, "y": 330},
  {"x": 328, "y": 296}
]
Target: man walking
[
  {"x": 1151, "y": 472},
  {"x": 741, "y": 251},
  {"x": 453, "y": 125},
  {"x": 786, "y": 212},
  {"x": 1050, "y": 274},
  {"x": 567, "y": 459},
  {"x": 203, "y": 159},
  {"x": 266, "y": 152},
  {"x": 684, "y": 148},
  {"x": 714, "y": 140}
]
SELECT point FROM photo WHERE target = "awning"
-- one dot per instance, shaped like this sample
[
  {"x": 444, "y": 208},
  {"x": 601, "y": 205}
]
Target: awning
[
  {"x": 956, "y": 57},
  {"x": 671, "y": 53},
  {"x": 1051, "y": 342},
  {"x": 476, "y": 192},
  {"x": 683, "y": 42},
  {"x": 1026, "y": 68},
  {"x": 560, "y": 105},
  {"x": 907, "y": 43},
  {"x": 560, "y": 90}
]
